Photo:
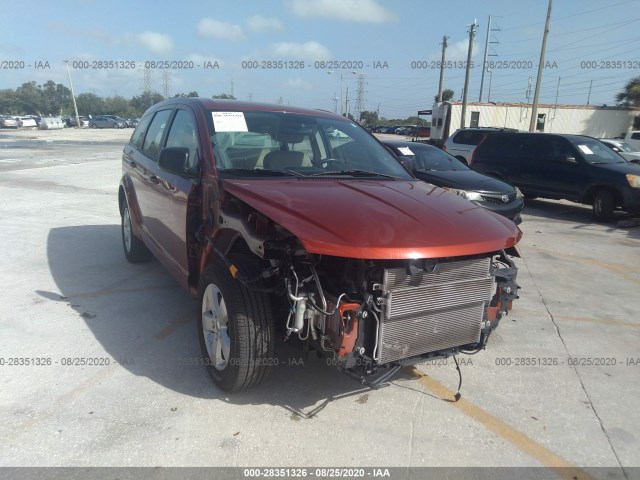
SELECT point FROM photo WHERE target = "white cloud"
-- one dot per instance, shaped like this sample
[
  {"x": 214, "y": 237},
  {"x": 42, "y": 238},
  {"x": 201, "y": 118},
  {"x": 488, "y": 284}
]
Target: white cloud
[
  {"x": 301, "y": 51},
  {"x": 298, "y": 83},
  {"x": 258, "y": 23},
  {"x": 363, "y": 11},
  {"x": 210, "y": 28},
  {"x": 457, "y": 51},
  {"x": 156, "y": 43}
]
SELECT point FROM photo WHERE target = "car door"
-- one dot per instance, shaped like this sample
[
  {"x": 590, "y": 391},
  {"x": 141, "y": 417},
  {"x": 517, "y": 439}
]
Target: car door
[
  {"x": 168, "y": 194},
  {"x": 140, "y": 162},
  {"x": 560, "y": 171}
]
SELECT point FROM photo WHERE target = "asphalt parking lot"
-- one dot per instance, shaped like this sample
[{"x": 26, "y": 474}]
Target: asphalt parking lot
[{"x": 556, "y": 388}]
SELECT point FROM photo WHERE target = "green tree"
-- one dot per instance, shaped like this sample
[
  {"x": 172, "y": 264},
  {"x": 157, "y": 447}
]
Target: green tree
[
  {"x": 224, "y": 96},
  {"x": 190, "y": 94},
  {"x": 369, "y": 118},
  {"x": 144, "y": 101},
  {"x": 9, "y": 101},
  {"x": 447, "y": 94},
  {"x": 30, "y": 99},
  {"x": 90, "y": 104},
  {"x": 630, "y": 96},
  {"x": 118, "y": 105}
]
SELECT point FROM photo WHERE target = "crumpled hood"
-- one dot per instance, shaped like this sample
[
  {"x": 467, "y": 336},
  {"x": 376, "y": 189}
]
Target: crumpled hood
[{"x": 376, "y": 219}]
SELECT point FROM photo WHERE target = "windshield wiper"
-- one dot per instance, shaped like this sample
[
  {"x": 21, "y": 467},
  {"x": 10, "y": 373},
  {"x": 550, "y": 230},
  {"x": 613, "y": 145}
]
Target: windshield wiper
[
  {"x": 259, "y": 172},
  {"x": 353, "y": 173}
]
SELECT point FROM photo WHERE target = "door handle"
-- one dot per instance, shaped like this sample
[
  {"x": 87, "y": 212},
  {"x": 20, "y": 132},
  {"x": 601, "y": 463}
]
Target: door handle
[
  {"x": 132, "y": 164},
  {"x": 153, "y": 179}
]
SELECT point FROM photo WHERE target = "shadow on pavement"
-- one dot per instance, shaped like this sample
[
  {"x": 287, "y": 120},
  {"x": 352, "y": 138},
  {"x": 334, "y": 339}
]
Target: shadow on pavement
[
  {"x": 147, "y": 324},
  {"x": 580, "y": 214}
]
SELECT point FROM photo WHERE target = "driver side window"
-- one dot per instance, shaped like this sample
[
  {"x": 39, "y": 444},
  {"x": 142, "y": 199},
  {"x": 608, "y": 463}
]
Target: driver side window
[{"x": 183, "y": 133}]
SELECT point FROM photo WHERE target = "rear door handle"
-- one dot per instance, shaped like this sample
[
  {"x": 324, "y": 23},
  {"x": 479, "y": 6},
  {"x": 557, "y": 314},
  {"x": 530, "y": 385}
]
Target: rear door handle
[
  {"x": 153, "y": 179},
  {"x": 132, "y": 164}
]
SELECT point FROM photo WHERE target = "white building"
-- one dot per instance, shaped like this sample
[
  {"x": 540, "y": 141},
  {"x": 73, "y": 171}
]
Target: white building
[{"x": 595, "y": 121}]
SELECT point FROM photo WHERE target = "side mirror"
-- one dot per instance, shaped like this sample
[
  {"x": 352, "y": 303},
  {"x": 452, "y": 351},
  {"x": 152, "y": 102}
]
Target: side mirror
[
  {"x": 407, "y": 162},
  {"x": 175, "y": 160}
]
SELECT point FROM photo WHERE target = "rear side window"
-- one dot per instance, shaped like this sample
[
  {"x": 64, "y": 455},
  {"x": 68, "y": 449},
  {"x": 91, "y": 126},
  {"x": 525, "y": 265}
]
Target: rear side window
[
  {"x": 635, "y": 136},
  {"x": 154, "y": 134},
  {"x": 137, "y": 138},
  {"x": 501, "y": 146},
  {"x": 468, "y": 137}
]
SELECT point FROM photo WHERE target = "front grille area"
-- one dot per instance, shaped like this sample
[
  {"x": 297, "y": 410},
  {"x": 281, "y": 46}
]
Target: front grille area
[
  {"x": 497, "y": 198},
  {"x": 427, "y": 312}
]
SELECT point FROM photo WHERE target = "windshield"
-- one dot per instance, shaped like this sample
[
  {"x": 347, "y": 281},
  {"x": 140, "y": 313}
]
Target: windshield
[
  {"x": 261, "y": 144},
  {"x": 427, "y": 158},
  {"x": 625, "y": 147},
  {"x": 595, "y": 151}
]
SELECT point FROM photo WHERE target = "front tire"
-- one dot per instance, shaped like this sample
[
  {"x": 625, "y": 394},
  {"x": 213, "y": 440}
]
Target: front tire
[
  {"x": 134, "y": 249},
  {"x": 234, "y": 328},
  {"x": 603, "y": 205}
]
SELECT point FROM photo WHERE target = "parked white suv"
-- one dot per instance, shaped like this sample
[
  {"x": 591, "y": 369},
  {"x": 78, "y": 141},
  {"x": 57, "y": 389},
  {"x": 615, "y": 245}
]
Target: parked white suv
[
  {"x": 464, "y": 141},
  {"x": 633, "y": 138}
]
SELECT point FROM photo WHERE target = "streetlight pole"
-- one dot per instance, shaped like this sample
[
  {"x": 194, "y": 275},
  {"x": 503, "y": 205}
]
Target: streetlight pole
[{"x": 73, "y": 95}]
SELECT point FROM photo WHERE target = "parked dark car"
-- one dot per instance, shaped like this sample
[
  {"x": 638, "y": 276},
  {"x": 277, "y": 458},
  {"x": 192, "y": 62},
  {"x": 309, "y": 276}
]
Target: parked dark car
[
  {"x": 277, "y": 224},
  {"x": 432, "y": 165},
  {"x": 573, "y": 167},
  {"x": 102, "y": 121}
]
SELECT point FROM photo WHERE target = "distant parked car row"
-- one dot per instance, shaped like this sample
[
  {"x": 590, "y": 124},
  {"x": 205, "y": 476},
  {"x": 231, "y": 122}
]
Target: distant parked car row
[
  {"x": 112, "y": 121},
  {"x": 27, "y": 121},
  {"x": 408, "y": 130}
]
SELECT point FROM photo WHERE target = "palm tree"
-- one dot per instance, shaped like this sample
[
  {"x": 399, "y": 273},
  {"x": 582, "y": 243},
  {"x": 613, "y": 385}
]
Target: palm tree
[{"x": 630, "y": 96}]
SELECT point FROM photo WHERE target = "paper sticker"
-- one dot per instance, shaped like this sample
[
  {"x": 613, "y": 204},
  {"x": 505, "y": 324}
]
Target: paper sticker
[
  {"x": 405, "y": 151},
  {"x": 229, "y": 122},
  {"x": 586, "y": 150}
]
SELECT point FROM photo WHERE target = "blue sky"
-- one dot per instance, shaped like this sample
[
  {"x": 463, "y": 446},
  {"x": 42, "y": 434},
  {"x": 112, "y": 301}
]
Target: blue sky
[{"x": 592, "y": 45}]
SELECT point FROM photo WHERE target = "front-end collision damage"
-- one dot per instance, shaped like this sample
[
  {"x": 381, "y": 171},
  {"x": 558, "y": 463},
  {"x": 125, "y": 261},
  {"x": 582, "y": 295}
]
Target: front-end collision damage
[{"x": 369, "y": 317}]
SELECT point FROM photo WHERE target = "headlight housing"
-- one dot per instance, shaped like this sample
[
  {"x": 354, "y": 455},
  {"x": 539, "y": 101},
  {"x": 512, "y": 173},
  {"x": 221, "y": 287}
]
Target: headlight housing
[
  {"x": 518, "y": 193},
  {"x": 634, "y": 180},
  {"x": 469, "y": 195}
]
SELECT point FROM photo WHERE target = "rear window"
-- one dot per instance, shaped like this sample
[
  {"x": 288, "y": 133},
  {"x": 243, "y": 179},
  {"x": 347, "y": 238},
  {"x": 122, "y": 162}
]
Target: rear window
[{"x": 468, "y": 137}]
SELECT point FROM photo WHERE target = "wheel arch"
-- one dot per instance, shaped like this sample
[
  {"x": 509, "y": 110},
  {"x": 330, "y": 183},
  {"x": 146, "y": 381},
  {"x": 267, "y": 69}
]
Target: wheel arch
[{"x": 591, "y": 191}]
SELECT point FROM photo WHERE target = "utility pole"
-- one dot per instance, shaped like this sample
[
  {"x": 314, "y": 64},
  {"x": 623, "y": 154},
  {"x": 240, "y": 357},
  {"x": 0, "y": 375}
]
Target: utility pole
[
  {"x": 589, "y": 95},
  {"x": 232, "y": 87},
  {"x": 360, "y": 97},
  {"x": 484, "y": 61},
  {"x": 528, "y": 92},
  {"x": 558, "y": 91},
  {"x": 441, "y": 84},
  {"x": 536, "y": 95},
  {"x": 335, "y": 103},
  {"x": 489, "y": 91},
  {"x": 165, "y": 83},
  {"x": 346, "y": 103},
  {"x": 472, "y": 34},
  {"x": 73, "y": 96},
  {"x": 147, "y": 81}
]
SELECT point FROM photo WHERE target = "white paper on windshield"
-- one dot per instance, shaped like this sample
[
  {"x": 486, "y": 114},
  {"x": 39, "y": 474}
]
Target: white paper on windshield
[
  {"x": 229, "y": 122},
  {"x": 405, "y": 151},
  {"x": 586, "y": 150}
]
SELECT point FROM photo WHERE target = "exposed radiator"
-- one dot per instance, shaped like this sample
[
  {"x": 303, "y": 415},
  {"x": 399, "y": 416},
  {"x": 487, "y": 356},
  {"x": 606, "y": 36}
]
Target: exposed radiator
[{"x": 433, "y": 311}]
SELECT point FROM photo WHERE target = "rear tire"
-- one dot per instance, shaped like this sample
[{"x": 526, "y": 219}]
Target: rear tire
[
  {"x": 234, "y": 327},
  {"x": 603, "y": 205},
  {"x": 134, "y": 249}
]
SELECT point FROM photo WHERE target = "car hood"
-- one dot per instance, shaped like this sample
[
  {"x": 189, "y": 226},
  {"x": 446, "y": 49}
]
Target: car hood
[
  {"x": 623, "y": 167},
  {"x": 464, "y": 180},
  {"x": 376, "y": 219}
]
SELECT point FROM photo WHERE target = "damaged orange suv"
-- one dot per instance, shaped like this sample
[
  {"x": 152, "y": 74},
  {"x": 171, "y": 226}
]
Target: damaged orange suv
[{"x": 280, "y": 219}]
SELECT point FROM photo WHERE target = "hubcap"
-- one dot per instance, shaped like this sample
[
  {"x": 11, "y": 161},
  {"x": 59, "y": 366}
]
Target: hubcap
[
  {"x": 215, "y": 323},
  {"x": 126, "y": 228}
]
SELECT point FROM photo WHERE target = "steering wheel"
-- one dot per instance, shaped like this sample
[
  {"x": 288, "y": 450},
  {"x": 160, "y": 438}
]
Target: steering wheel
[{"x": 328, "y": 161}]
